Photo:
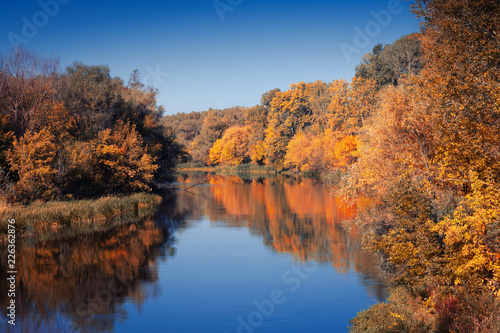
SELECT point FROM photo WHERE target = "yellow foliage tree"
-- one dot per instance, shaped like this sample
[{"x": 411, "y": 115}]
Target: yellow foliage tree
[
  {"x": 329, "y": 139},
  {"x": 33, "y": 157},
  {"x": 215, "y": 152},
  {"x": 258, "y": 153},
  {"x": 346, "y": 150},
  {"x": 275, "y": 146},
  {"x": 290, "y": 112},
  {"x": 298, "y": 153},
  {"x": 233, "y": 148},
  {"x": 325, "y": 151},
  {"x": 471, "y": 238},
  {"x": 351, "y": 104},
  {"x": 432, "y": 144},
  {"x": 54, "y": 117}
]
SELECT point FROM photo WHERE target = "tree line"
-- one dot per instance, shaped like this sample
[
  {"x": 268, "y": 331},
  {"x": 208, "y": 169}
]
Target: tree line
[
  {"x": 81, "y": 133},
  {"x": 309, "y": 127}
]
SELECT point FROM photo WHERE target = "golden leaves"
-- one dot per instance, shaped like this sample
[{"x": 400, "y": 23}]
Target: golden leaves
[
  {"x": 471, "y": 252},
  {"x": 120, "y": 160},
  {"x": 233, "y": 148},
  {"x": 33, "y": 157}
]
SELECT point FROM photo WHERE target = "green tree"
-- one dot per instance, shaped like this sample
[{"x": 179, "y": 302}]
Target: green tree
[
  {"x": 92, "y": 96},
  {"x": 374, "y": 66},
  {"x": 388, "y": 64}
]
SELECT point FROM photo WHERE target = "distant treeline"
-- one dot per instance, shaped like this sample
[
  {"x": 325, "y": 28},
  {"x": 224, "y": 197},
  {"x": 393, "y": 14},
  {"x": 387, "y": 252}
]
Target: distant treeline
[
  {"x": 78, "y": 134},
  {"x": 310, "y": 127}
]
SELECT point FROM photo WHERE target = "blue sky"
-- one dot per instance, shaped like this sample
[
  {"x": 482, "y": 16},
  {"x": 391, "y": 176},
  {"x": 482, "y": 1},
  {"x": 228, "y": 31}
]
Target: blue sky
[{"x": 206, "y": 53}]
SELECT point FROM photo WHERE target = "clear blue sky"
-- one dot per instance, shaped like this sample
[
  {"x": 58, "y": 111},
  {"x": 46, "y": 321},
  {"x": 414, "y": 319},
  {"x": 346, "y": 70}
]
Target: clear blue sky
[{"x": 214, "y": 57}]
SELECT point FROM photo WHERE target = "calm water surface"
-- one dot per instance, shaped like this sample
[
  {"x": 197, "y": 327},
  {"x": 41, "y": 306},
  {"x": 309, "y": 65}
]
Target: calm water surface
[{"x": 233, "y": 255}]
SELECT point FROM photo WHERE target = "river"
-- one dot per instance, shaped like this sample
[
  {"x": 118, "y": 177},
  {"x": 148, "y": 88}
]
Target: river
[{"x": 235, "y": 254}]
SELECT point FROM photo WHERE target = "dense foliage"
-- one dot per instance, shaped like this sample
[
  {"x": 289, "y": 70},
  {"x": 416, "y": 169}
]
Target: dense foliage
[
  {"x": 310, "y": 127},
  {"x": 431, "y": 162},
  {"x": 82, "y": 133}
]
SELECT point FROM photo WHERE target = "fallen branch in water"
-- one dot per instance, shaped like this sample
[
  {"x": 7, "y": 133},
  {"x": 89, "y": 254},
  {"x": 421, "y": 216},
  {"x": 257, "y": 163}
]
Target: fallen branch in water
[
  {"x": 168, "y": 187},
  {"x": 187, "y": 188},
  {"x": 184, "y": 189}
]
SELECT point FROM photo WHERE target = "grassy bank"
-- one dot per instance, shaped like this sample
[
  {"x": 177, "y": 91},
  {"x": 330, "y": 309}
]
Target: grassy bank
[
  {"x": 242, "y": 168},
  {"x": 78, "y": 216}
]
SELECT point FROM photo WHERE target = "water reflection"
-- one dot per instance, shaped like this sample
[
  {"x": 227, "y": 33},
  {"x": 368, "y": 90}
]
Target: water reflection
[
  {"x": 292, "y": 215},
  {"x": 82, "y": 283},
  {"x": 86, "y": 283}
]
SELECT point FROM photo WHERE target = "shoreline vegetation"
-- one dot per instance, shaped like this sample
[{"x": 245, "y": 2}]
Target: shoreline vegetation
[
  {"x": 246, "y": 168},
  {"x": 53, "y": 219}
]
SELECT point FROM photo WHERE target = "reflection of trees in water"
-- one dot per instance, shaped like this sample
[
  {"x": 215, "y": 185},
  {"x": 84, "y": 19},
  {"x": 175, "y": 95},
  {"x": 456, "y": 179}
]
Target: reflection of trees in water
[
  {"x": 292, "y": 215},
  {"x": 87, "y": 279}
]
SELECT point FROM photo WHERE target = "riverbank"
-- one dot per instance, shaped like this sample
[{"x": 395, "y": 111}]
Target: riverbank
[
  {"x": 242, "y": 168},
  {"x": 78, "y": 216}
]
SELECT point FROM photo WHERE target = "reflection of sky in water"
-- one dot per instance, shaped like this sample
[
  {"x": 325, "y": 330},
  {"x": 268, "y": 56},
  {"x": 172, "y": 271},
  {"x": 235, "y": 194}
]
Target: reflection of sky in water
[
  {"x": 236, "y": 242},
  {"x": 208, "y": 289}
]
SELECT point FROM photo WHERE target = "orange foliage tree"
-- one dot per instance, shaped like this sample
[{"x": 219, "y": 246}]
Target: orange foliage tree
[
  {"x": 462, "y": 85},
  {"x": 290, "y": 113},
  {"x": 346, "y": 150},
  {"x": 121, "y": 163},
  {"x": 115, "y": 162},
  {"x": 77, "y": 134},
  {"x": 322, "y": 152},
  {"x": 33, "y": 158},
  {"x": 351, "y": 104}
]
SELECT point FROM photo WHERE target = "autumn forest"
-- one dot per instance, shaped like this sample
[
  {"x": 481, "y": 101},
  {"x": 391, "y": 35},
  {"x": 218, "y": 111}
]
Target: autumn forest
[{"x": 416, "y": 133}]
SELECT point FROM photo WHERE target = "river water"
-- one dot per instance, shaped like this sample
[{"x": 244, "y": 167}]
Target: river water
[{"x": 236, "y": 254}]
